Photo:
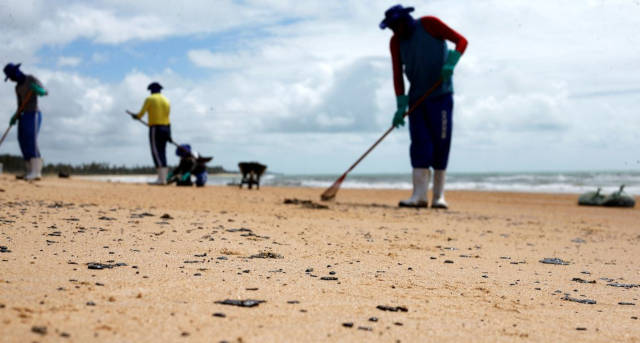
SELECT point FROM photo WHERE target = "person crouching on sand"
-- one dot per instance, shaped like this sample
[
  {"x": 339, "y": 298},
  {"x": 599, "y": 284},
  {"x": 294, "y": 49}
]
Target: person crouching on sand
[
  {"x": 29, "y": 118},
  {"x": 419, "y": 47},
  {"x": 191, "y": 163},
  {"x": 158, "y": 107}
]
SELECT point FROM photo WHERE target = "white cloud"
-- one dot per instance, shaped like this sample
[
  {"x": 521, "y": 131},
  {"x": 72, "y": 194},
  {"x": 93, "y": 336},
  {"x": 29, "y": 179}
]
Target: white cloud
[
  {"x": 98, "y": 58},
  {"x": 69, "y": 61},
  {"x": 206, "y": 59},
  {"x": 319, "y": 88}
]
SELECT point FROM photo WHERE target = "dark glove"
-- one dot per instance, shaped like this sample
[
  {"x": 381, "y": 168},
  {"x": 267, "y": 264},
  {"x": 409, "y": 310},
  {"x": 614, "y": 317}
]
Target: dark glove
[
  {"x": 402, "y": 102},
  {"x": 38, "y": 90},
  {"x": 14, "y": 119},
  {"x": 447, "y": 70}
]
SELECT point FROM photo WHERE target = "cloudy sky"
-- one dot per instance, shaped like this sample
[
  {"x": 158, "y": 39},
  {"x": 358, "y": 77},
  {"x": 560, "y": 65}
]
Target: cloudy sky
[{"x": 306, "y": 87}]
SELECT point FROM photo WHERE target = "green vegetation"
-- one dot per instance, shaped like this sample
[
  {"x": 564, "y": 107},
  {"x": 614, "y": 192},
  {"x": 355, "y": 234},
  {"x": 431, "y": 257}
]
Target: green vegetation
[{"x": 15, "y": 164}]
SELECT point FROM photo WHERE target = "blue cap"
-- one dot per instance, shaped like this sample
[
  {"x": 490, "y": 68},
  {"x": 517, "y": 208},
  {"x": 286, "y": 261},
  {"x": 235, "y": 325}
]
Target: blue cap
[
  {"x": 393, "y": 14},
  {"x": 11, "y": 70},
  {"x": 184, "y": 150},
  {"x": 154, "y": 86}
]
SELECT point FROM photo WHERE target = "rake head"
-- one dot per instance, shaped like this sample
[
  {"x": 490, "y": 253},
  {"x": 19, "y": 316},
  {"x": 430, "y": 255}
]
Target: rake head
[{"x": 331, "y": 192}]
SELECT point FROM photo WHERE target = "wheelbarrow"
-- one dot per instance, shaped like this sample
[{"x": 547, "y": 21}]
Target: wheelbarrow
[{"x": 251, "y": 173}]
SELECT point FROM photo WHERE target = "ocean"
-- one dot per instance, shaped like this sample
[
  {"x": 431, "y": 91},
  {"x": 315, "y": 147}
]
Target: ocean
[{"x": 537, "y": 182}]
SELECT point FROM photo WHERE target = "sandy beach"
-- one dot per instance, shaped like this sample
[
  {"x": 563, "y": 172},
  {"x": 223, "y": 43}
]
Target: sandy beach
[{"x": 95, "y": 261}]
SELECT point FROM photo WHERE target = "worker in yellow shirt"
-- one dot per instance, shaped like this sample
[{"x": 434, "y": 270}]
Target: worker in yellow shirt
[{"x": 158, "y": 108}]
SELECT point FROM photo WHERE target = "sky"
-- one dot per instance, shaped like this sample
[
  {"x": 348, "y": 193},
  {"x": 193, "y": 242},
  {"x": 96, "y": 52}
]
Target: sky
[{"x": 306, "y": 86}]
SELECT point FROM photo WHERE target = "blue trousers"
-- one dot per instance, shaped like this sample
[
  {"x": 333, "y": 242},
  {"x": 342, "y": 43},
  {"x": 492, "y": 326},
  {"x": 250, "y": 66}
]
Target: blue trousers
[
  {"x": 28, "y": 129},
  {"x": 159, "y": 135},
  {"x": 201, "y": 178},
  {"x": 430, "y": 127}
]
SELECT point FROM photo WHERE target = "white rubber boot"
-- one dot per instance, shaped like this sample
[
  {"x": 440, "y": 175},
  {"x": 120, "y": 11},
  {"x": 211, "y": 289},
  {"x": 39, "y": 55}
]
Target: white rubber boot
[
  {"x": 438, "y": 189},
  {"x": 39, "y": 166},
  {"x": 164, "y": 171},
  {"x": 162, "y": 176},
  {"x": 27, "y": 167},
  {"x": 421, "y": 178},
  {"x": 36, "y": 170}
]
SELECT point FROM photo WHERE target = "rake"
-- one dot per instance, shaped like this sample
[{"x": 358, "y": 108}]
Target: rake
[
  {"x": 147, "y": 125},
  {"x": 170, "y": 139},
  {"x": 331, "y": 192}
]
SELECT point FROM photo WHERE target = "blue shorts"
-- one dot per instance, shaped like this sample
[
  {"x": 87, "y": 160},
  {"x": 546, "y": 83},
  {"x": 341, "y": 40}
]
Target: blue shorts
[
  {"x": 430, "y": 127},
  {"x": 28, "y": 129},
  {"x": 159, "y": 135}
]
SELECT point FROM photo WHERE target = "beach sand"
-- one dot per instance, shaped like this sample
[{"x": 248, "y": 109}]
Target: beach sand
[{"x": 469, "y": 274}]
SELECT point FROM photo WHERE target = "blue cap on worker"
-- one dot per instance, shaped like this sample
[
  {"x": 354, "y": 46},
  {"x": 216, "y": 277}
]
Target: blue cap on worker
[
  {"x": 11, "y": 71},
  {"x": 395, "y": 13},
  {"x": 183, "y": 150},
  {"x": 154, "y": 87}
]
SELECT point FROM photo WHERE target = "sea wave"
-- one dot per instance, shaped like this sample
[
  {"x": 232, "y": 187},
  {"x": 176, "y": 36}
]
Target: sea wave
[{"x": 501, "y": 182}]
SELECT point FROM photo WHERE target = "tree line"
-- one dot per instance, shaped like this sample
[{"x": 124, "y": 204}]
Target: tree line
[{"x": 15, "y": 164}]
